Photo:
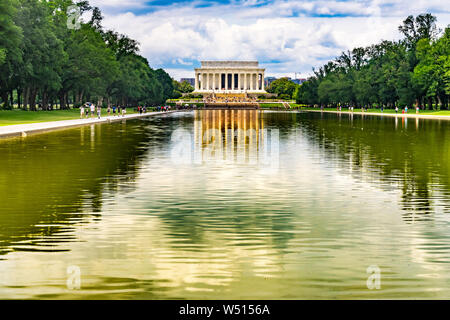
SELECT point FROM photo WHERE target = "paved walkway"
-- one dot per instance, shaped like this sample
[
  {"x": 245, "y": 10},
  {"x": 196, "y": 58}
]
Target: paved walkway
[
  {"x": 398, "y": 115},
  {"x": 22, "y": 130}
]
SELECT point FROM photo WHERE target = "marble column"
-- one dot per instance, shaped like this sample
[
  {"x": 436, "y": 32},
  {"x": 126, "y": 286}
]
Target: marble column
[{"x": 196, "y": 82}]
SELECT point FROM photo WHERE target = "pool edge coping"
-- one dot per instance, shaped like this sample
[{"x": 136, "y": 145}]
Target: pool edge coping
[{"x": 23, "y": 130}]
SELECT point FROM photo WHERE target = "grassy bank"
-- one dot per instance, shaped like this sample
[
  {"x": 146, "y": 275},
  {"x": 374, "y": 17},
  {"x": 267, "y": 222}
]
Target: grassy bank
[
  {"x": 12, "y": 117},
  {"x": 279, "y": 105}
]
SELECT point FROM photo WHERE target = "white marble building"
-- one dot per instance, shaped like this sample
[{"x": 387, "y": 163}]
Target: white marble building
[{"x": 229, "y": 77}]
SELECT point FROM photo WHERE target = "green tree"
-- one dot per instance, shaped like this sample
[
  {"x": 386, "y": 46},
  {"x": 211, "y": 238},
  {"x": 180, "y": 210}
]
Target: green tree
[
  {"x": 42, "y": 51},
  {"x": 430, "y": 73},
  {"x": 400, "y": 73},
  {"x": 283, "y": 86},
  {"x": 10, "y": 40},
  {"x": 186, "y": 87},
  {"x": 307, "y": 92}
]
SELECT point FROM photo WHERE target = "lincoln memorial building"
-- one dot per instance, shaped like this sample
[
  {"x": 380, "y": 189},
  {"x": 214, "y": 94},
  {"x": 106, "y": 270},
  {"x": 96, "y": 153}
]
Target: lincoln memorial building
[{"x": 229, "y": 77}]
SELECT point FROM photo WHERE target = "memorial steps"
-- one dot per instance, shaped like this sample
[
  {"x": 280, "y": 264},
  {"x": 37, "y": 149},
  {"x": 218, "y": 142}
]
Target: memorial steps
[{"x": 230, "y": 101}]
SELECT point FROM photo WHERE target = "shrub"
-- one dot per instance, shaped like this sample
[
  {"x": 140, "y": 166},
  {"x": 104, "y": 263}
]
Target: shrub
[
  {"x": 284, "y": 97},
  {"x": 176, "y": 94}
]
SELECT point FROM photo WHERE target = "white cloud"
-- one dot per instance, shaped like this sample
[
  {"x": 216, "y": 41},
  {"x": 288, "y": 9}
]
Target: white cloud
[
  {"x": 118, "y": 5},
  {"x": 286, "y": 37}
]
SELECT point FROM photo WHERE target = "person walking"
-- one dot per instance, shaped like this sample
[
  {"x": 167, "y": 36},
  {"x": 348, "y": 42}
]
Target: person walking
[
  {"x": 99, "y": 112},
  {"x": 114, "y": 111},
  {"x": 92, "y": 110},
  {"x": 406, "y": 109},
  {"x": 124, "y": 111},
  {"x": 396, "y": 109},
  {"x": 417, "y": 110},
  {"x": 109, "y": 110},
  {"x": 82, "y": 112}
]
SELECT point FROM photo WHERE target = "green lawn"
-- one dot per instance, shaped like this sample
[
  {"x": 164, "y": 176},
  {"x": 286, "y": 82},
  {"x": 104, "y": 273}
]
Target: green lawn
[
  {"x": 271, "y": 105},
  {"x": 11, "y": 117},
  {"x": 410, "y": 111}
]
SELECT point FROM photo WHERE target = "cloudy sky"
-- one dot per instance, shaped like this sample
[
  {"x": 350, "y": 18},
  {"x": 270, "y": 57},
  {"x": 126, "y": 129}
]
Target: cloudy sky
[{"x": 286, "y": 37}]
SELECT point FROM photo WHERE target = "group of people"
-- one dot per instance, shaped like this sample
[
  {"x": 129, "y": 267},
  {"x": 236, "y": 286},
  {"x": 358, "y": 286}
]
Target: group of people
[
  {"x": 228, "y": 98},
  {"x": 117, "y": 110},
  {"x": 364, "y": 109},
  {"x": 405, "y": 110},
  {"x": 142, "y": 110},
  {"x": 90, "y": 108},
  {"x": 163, "y": 108}
]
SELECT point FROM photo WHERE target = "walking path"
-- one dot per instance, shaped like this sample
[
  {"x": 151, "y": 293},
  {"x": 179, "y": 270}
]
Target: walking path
[
  {"x": 22, "y": 130},
  {"x": 398, "y": 115}
]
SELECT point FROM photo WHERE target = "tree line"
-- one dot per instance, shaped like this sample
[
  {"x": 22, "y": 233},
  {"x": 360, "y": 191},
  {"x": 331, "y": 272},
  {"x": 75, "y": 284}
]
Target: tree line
[
  {"x": 48, "y": 57},
  {"x": 412, "y": 71}
]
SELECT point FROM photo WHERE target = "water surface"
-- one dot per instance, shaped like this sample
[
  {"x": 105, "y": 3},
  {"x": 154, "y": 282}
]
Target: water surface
[{"x": 228, "y": 205}]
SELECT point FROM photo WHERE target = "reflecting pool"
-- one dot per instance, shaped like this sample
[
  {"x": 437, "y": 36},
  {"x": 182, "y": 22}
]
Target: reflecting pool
[{"x": 228, "y": 205}]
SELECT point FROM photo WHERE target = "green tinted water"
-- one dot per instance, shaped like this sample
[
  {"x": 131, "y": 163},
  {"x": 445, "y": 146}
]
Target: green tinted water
[{"x": 228, "y": 205}]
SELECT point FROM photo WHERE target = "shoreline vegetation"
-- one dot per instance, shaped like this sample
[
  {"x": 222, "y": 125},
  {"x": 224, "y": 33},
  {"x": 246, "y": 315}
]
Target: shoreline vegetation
[{"x": 17, "y": 116}]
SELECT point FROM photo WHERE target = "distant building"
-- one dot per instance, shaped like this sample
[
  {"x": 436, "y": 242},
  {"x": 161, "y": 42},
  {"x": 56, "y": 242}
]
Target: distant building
[
  {"x": 191, "y": 81},
  {"x": 269, "y": 80},
  {"x": 298, "y": 81}
]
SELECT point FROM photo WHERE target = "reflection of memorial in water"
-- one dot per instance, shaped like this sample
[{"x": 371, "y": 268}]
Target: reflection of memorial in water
[{"x": 234, "y": 136}]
